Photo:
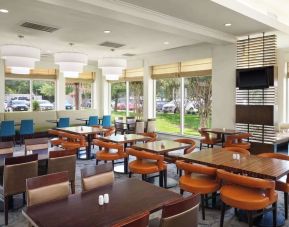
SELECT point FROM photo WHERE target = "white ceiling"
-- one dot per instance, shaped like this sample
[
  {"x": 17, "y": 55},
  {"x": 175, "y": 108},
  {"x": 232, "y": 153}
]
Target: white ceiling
[{"x": 180, "y": 22}]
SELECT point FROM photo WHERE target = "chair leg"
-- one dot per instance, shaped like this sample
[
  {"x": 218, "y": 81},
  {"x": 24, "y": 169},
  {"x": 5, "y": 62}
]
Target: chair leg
[
  {"x": 161, "y": 178},
  {"x": 250, "y": 218},
  {"x": 180, "y": 172},
  {"x": 143, "y": 177},
  {"x": 129, "y": 174},
  {"x": 165, "y": 178},
  {"x": 223, "y": 209},
  {"x": 286, "y": 204},
  {"x": 201, "y": 144},
  {"x": 72, "y": 186},
  {"x": 6, "y": 203},
  {"x": 203, "y": 206},
  {"x": 181, "y": 191},
  {"x": 96, "y": 161},
  {"x": 214, "y": 199},
  {"x": 24, "y": 198},
  {"x": 274, "y": 206}
]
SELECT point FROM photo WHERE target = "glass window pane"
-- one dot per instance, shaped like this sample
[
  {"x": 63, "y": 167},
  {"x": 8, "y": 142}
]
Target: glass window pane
[
  {"x": 17, "y": 95},
  {"x": 136, "y": 99},
  {"x": 78, "y": 95},
  {"x": 197, "y": 104},
  {"x": 43, "y": 95},
  {"x": 168, "y": 105},
  {"x": 118, "y": 100}
]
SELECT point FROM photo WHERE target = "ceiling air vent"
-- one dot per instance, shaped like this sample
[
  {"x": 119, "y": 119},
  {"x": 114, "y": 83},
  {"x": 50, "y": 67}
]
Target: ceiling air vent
[
  {"x": 128, "y": 55},
  {"x": 111, "y": 45},
  {"x": 38, "y": 27}
]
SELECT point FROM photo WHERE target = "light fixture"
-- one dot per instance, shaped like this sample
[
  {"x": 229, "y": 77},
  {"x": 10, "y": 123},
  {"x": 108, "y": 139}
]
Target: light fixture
[
  {"x": 4, "y": 11},
  {"x": 70, "y": 63},
  {"x": 166, "y": 43},
  {"x": 20, "y": 59},
  {"x": 228, "y": 24},
  {"x": 112, "y": 67},
  {"x": 106, "y": 31}
]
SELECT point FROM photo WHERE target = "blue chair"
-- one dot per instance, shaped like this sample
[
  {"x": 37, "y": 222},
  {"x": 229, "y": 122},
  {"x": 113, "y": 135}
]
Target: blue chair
[
  {"x": 7, "y": 129},
  {"x": 106, "y": 121},
  {"x": 63, "y": 122},
  {"x": 92, "y": 121},
  {"x": 26, "y": 128}
]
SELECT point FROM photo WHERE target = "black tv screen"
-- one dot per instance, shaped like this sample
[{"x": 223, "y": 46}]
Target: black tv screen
[{"x": 255, "y": 78}]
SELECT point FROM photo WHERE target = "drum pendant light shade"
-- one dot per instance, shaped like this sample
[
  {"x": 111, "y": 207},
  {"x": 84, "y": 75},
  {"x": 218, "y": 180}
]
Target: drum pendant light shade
[
  {"x": 20, "y": 58},
  {"x": 112, "y": 67}
]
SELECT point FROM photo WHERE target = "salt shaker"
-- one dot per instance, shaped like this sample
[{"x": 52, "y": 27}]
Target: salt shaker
[
  {"x": 106, "y": 198},
  {"x": 100, "y": 200}
]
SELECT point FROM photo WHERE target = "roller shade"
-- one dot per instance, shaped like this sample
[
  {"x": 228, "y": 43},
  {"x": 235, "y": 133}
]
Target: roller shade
[
  {"x": 135, "y": 74},
  {"x": 34, "y": 74},
  {"x": 165, "y": 71},
  {"x": 83, "y": 77}
]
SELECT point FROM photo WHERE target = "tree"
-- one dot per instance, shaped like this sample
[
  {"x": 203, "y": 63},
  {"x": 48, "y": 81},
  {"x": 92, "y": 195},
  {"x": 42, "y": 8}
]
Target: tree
[
  {"x": 136, "y": 91},
  {"x": 117, "y": 91},
  {"x": 48, "y": 91}
]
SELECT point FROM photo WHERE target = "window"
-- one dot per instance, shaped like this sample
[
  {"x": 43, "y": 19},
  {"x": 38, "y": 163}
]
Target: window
[
  {"x": 136, "y": 99},
  {"x": 78, "y": 95},
  {"x": 118, "y": 99},
  {"x": 43, "y": 95},
  {"x": 168, "y": 105}
]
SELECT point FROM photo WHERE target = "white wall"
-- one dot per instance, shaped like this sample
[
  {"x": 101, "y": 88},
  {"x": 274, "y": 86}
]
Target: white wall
[
  {"x": 224, "y": 86},
  {"x": 2, "y": 85}
]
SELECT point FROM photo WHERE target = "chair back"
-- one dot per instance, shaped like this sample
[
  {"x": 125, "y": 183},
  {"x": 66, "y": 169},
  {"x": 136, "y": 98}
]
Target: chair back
[
  {"x": 16, "y": 171},
  {"x": 183, "y": 212},
  {"x": 55, "y": 132},
  {"x": 26, "y": 127},
  {"x": 139, "y": 220},
  {"x": 131, "y": 123},
  {"x": 35, "y": 144},
  {"x": 118, "y": 123},
  {"x": 47, "y": 188},
  {"x": 187, "y": 141},
  {"x": 97, "y": 176},
  {"x": 63, "y": 122},
  {"x": 151, "y": 125},
  {"x": 6, "y": 147},
  {"x": 60, "y": 161},
  {"x": 92, "y": 121},
  {"x": 139, "y": 126},
  {"x": 238, "y": 150},
  {"x": 108, "y": 145},
  {"x": 109, "y": 132},
  {"x": 7, "y": 129},
  {"x": 106, "y": 121}
]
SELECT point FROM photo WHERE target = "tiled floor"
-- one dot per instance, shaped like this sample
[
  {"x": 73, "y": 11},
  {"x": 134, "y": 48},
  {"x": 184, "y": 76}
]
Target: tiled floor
[{"x": 212, "y": 215}]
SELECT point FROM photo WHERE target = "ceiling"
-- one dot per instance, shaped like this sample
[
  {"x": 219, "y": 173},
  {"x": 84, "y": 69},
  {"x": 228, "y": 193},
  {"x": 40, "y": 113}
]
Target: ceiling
[{"x": 143, "y": 26}]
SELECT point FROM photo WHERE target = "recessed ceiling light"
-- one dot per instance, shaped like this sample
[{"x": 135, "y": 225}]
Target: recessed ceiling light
[
  {"x": 228, "y": 24},
  {"x": 166, "y": 43},
  {"x": 4, "y": 11},
  {"x": 106, "y": 31}
]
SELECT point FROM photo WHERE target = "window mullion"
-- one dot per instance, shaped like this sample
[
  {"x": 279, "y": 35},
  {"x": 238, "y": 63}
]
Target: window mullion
[{"x": 182, "y": 111}]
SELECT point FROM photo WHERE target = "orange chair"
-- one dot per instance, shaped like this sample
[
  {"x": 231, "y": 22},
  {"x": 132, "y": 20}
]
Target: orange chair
[
  {"x": 73, "y": 141},
  {"x": 247, "y": 193},
  {"x": 198, "y": 179},
  {"x": 110, "y": 131},
  {"x": 148, "y": 163},
  {"x": 210, "y": 139},
  {"x": 110, "y": 152},
  {"x": 153, "y": 136},
  {"x": 238, "y": 150},
  {"x": 280, "y": 185},
  {"x": 238, "y": 141},
  {"x": 172, "y": 156},
  {"x": 59, "y": 139},
  {"x": 139, "y": 220}
]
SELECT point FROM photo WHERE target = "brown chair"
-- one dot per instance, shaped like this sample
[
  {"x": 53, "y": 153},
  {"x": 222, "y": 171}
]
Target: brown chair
[
  {"x": 35, "y": 144},
  {"x": 139, "y": 126},
  {"x": 60, "y": 161},
  {"x": 139, "y": 220},
  {"x": 247, "y": 193},
  {"x": 110, "y": 131},
  {"x": 198, "y": 179},
  {"x": 119, "y": 125},
  {"x": 238, "y": 150},
  {"x": 238, "y": 141},
  {"x": 151, "y": 125},
  {"x": 16, "y": 171},
  {"x": 47, "y": 188},
  {"x": 210, "y": 139},
  {"x": 153, "y": 136},
  {"x": 148, "y": 163},
  {"x": 97, "y": 176},
  {"x": 6, "y": 147},
  {"x": 58, "y": 139},
  {"x": 131, "y": 124},
  {"x": 110, "y": 152},
  {"x": 172, "y": 156},
  {"x": 74, "y": 142},
  {"x": 280, "y": 185},
  {"x": 183, "y": 212}
]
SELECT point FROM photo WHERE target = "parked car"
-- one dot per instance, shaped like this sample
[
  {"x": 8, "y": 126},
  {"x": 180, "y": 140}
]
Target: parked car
[
  {"x": 17, "y": 105},
  {"x": 25, "y": 99},
  {"x": 159, "y": 105},
  {"x": 68, "y": 106},
  {"x": 171, "y": 107},
  {"x": 45, "y": 105}
]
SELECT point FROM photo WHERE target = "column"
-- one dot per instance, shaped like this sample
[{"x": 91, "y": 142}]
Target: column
[
  {"x": 2, "y": 85},
  {"x": 148, "y": 93},
  {"x": 60, "y": 92}
]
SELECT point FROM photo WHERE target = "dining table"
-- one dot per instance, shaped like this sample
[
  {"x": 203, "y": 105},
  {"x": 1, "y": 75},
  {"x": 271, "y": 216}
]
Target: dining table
[
  {"x": 126, "y": 198},
  {"x": 124, "y": 139},
  {"x": 223, "y": 132},
  {"x": 89, "y": 133}
]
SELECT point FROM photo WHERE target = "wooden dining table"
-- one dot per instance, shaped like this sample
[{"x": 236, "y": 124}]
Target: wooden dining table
[
  {"x": 86, "y": 131},
  {"x": 252, "y": 165},
  {"x": 222, "y": 132},
  {"x": 126, "y": 198}
]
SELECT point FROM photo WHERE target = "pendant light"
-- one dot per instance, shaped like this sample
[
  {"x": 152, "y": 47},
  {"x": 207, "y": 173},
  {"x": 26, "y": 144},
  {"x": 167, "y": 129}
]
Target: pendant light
[{"x": 112, "y": 67}]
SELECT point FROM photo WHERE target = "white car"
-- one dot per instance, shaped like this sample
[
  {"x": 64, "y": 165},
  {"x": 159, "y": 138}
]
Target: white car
[
  {"x": 171, "y": 107},
  {"x": 45, "y": 105}
]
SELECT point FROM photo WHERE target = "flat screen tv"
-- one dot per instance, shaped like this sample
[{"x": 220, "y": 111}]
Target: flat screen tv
[{"x": 254, "y": 78}]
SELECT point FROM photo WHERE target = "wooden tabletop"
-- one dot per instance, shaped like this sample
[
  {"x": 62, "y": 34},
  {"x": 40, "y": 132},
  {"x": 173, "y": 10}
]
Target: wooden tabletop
[
  {"x": 4, "y": 145},
  {"x": 83, "y": 130},
  {"x": 34, "y": 141},
  {"x": 127, "y": 198},
  {"x": 161, "y": 147},
  {"x": 222, "y": 131},
  {"x": 268, "y": 168},
  {"x": 129, "y": 138}
]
